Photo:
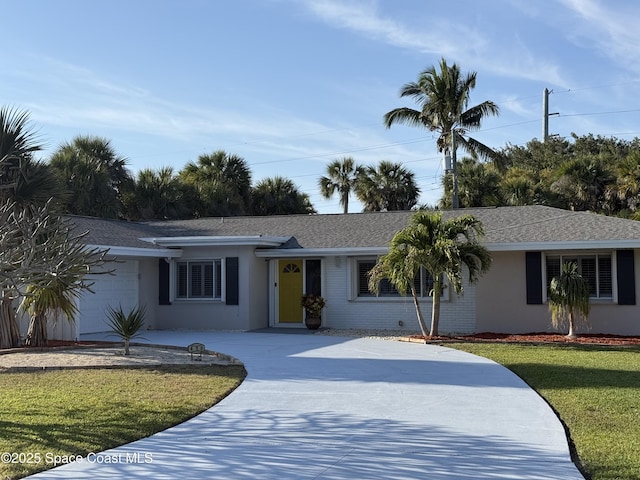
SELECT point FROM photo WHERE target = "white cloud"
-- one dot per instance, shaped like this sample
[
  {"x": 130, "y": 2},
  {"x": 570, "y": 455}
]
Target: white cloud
[
  {"x": 611, "y": 28},
  {"x": 440, "y": 36}
]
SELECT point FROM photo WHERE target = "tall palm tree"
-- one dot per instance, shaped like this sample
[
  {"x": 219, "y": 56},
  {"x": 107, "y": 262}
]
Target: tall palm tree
[
  {"x": 222, "y": 183},
  {"x": 156, "y": 194},
  {"x": 568, "y": 296},
  {"x": 387, "y": 187},
  {"x": 444, "y": 99},
  {"x": 443, "y": 248},
  {"x": 279, "y": 196},
  {"x": 94, "y": 176},
  {"x": 342, "y": 176}
]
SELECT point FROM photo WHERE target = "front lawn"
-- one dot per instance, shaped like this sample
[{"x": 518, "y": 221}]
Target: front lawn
[
  {"x": 596, "y": 392},
  {"x": 74, "y": 412}
]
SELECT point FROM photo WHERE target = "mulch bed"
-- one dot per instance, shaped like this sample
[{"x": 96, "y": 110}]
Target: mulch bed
[{"x": 536, "y": 337}]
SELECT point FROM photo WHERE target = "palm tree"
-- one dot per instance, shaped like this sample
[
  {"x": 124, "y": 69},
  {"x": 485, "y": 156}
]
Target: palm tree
[
  {"x": 279, "y": 196},
  {"x": 222, "y": 183},
  {"x": 568, "y": 296},
  {"x": 400, "y": 267},
  {"x": 477, "y": 184},
  {"x": 156, "y": 194},
  {"x": 444, "y": 99},
  {"x": 342, "y": 177},
  {"x": 94, "y": 176},
  {"x": 583, "y": 182},
  {"x": 18, "y": 142},
  {"x": 442, "y": 248},
  {"x": 387, "y": 187}
]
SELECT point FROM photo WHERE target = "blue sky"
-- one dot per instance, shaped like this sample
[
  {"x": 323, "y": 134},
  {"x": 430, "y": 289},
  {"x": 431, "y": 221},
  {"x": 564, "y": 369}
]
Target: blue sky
[{"x": 291, "y": 85}]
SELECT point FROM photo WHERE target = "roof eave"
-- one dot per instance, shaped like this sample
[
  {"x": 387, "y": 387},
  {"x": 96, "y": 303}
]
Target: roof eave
[
  {"x": 562, "y": 245},
  {"x": 216, "y": 241},
  {"x": 139, "y": 252}
]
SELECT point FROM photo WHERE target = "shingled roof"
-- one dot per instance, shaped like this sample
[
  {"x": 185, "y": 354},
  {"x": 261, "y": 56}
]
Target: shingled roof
[{"x": 505, "y": 228}]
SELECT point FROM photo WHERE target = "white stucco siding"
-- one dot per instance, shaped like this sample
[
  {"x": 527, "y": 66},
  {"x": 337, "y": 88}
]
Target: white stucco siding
[
  {"x": 202, "y": 314},
  {"x": 344, "y": 310},
  {"x": 502, "y": 303}
]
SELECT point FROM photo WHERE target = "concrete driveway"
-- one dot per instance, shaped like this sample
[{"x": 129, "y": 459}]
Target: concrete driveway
[{"x": 320, "y": 407}]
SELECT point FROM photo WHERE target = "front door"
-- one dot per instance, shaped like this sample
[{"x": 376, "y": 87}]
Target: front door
[{"x": 289, "y": 291}]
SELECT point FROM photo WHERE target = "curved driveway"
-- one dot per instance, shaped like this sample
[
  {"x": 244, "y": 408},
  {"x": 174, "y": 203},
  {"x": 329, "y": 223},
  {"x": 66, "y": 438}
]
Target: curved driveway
[{"x": 321, "y": 407}]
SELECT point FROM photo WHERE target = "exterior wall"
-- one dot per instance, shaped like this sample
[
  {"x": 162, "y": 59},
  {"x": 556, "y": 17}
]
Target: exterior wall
[
  {"x": 344, "y": 310},
  {"x": 148, "y": 289},
  {"x": 502, "y": 303},
  {"x": 252, "y": 311}
]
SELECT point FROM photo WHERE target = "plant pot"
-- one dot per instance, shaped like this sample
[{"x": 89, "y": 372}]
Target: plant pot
[{"x": 312, "y": 322}]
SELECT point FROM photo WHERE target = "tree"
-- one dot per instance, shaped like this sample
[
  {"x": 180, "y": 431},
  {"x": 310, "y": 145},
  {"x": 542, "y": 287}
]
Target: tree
[
  {"x": 156, "y": 194},
  {"x": 94, "y": 176},
  {"x": 388, "y": 187},
  {"x": 477, "y": 185},
  {"x": 444, "y": 98},
  {"x": 18, "y": 142},
  {"x": 279, "y": 196},
  {"x": 442, "y": 248},
  {"x": 583, "y": 182},
  {"x": 221, "y": 182},
  {"x": 568, "y": 296},
  {"x": 40, "y": 252},
  {"x": 342, "y": 176}
]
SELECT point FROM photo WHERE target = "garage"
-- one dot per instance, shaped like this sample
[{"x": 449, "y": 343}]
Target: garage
[{"x": 119, "y": 289}]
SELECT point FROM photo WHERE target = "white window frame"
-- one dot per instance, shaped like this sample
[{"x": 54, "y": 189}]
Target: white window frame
[
  {"x": 354, "y": 281},
  {"x": 217, "y": 281},
  {"x": 586, "y": 254}
]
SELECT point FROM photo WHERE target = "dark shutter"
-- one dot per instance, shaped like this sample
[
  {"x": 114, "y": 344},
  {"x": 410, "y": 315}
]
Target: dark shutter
[
  {"x": 163, "y": 282},
  {"x": 626, "y": 277},
  {"x": 534, "y": 277},
  {"x": 232, "y": 281}
]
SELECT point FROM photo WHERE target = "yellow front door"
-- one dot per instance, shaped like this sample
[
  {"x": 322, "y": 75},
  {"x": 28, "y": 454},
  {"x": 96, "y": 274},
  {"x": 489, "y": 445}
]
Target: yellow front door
[{"x": 289, "y": 291}]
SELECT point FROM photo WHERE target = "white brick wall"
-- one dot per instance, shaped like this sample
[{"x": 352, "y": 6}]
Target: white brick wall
[{"x": 457, "y": 315}]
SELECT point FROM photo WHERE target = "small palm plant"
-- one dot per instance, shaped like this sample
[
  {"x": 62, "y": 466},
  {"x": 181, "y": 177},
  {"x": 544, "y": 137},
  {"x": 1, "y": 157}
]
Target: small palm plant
[
  {"x": 568, "y": 296},
  {"x": 126, "y": 325}
]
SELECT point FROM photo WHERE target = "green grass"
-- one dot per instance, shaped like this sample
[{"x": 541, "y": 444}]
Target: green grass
[
  {"x": 596, "y": 392},
  {"x": 74, "y": 412}
]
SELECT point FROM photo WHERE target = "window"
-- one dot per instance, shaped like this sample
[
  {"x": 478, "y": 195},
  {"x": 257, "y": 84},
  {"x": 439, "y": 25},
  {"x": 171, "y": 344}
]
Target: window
[
  {"x": 199, "y": 279},
  {"x": 596, "y": 269},
  {"x": 423, "y": 282}
]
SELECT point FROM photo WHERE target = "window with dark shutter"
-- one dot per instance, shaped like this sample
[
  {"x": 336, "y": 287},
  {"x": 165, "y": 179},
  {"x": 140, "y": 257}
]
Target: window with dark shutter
[{"x": 199, "y": 279}]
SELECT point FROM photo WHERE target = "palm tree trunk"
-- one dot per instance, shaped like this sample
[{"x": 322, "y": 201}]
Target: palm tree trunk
[
  {"x": 572, "y": 325},
  {"x": 9, "y": 331},
  {"x": 37, "y": 333},
  {"x": 423, "y": 326},
  {"x": 435, "y": 311},
  {"x": 126, "y": 346}
]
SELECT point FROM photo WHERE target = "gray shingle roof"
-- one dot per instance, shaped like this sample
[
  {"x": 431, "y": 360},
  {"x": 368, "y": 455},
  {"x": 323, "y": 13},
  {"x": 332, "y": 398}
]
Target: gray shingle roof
[{"x": 503, "y": 225}]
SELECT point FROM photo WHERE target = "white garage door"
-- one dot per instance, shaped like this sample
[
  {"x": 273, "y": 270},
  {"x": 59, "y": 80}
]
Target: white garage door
[{"x": 119, "y": 289}]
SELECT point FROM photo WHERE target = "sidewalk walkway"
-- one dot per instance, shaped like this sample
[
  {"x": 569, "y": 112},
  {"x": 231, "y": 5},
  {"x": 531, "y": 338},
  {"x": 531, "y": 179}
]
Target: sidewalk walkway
[{"x": 320, "y": 407}]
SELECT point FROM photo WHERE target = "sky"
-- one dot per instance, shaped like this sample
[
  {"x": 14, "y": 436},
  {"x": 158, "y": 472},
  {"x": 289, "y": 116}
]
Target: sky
[{"x": 291, "y": 85}]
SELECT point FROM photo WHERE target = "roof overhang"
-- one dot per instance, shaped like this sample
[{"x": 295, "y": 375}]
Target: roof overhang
[
  {"x": 319, "y": 252},
  {"x": 217, "y": 241},
  {"x": 568, "y": 245},
  {"x": 140, "y": 252}
]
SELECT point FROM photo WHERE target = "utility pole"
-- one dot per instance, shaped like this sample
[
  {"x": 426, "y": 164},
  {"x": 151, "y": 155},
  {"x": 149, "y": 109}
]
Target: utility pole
[{"x": 546, "y": 114}]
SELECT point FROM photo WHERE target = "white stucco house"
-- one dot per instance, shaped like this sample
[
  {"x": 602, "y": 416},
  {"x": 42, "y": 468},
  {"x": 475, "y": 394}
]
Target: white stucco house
[{"x": 245, "y": 273}]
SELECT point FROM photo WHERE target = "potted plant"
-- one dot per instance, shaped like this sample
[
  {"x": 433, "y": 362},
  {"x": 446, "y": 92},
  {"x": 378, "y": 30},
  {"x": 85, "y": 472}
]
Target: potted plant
[{"x": 313, "y": 305}]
